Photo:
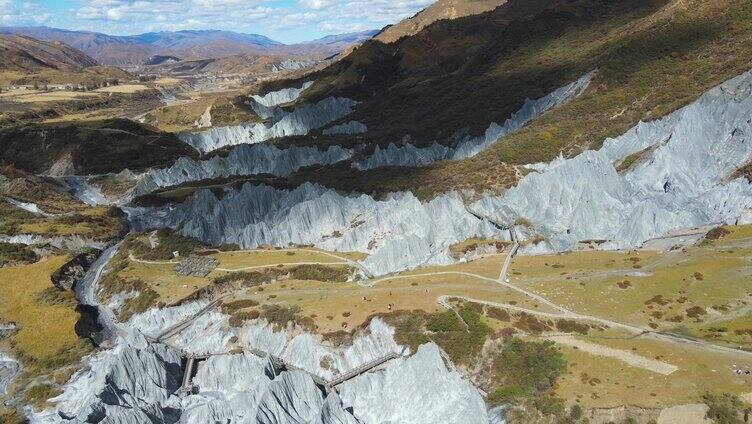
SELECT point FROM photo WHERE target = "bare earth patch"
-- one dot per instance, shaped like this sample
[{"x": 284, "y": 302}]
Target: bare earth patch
[{"x": 631, "y": 359}]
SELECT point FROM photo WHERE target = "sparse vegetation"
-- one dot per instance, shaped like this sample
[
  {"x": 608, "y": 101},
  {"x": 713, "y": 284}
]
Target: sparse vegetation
[
  {"x": 237, "y": 319},
  {"x": 325, "y": 273},
  {"x": 527, "y": 371},
  {"x": 46, "y": 317},
  {"x": 462, "y": 344},
  {"x": 167, "y": 243},
  {"x": 723, "y": 408},
  {"x": 281, "y": 316},
  {"x": 13, "y": 254}
]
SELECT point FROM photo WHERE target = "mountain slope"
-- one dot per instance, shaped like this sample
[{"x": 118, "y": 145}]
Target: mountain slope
[
  {"x": 456, "y": 77},
  {"x": 92, "y": 147},
  {"x": 25, "y": 54},
  {"x": 442, "y": 9},
  {"x": 187, "y": 44}
]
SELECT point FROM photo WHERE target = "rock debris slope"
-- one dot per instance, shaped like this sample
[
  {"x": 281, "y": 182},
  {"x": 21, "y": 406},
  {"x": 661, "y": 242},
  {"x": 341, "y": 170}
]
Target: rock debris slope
[
  {"x": 399, "y": 232},
  {"x": 137, "y": 382},
  {"x": 678, "y": 172},
  {"x": 409, "y": 155}
]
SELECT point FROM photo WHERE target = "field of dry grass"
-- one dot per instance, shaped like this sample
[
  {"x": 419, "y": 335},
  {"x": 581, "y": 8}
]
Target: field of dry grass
[
  {"x": 123, "y": 88},
  {"x": 97, "y": 223},
  {"x": 46, "y": 338},
  {"x": 701, "y": 291},
  {"x": 32, "y": 96}
]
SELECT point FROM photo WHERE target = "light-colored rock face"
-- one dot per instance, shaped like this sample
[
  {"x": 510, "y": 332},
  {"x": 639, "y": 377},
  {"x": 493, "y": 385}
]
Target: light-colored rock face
[
  {"x": 73, "y": 243},
  {"x": 286, "y": 95},
  {"x": 205, "y": 120},
  {"x": 136, "y": 382},
  {"x": 9, "y": 369},
  {"x": 680, "y": 181},
  {"x": 82, "y": 190},
  {"x": 409, "y": 155},
  {"x": 292, "y": 65},
  {"x": 436, "y": 395},
  {"x": 399, "y": 232},
  {"x": 28, "y": 207},
  {"x": 242, "y": 160},
  {"x": 281, "y": 123}
]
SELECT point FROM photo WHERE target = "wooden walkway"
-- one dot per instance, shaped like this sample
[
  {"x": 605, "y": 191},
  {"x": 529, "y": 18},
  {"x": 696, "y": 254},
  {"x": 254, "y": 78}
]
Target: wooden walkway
[
  {"x": 182, "y": 325},
  {"x": 281, "y": 365}
]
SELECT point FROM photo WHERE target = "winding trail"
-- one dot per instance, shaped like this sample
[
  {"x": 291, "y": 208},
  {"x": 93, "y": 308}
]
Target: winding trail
[
  {"x": 569, "y": 314},
  {"x": 443, "y": 301}
]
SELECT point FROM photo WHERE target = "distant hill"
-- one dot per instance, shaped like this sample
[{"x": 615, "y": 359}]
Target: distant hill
[
  {"x": 187, "y": 45},
  {"x": 25, "y": 54},
  {"x": 442, "y": 9},
  {"x": 342, "y": 41}
]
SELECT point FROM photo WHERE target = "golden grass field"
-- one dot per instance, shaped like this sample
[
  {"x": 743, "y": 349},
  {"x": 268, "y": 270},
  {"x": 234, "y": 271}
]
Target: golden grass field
[
  {"x": 712, "y": 280},
  {"x": 123, "y": 88},
  {"x": 92, "y": 222},
  {"x": 29, "y": 96},
  {"x": 45, "y": 330}
]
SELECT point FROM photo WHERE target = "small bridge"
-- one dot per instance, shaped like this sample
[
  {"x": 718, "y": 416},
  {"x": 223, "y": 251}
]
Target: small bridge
[
  {"x": 364, "y": 368},
  {"x": 182, "y": 325},
  {"x": 279, "y": 365}
]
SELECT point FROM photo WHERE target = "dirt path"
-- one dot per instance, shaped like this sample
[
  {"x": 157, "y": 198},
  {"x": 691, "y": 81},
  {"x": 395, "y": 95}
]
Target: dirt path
[
  {"x": 684, "y": 414},
  {"x": 627, "y": 357},
  {"x": 276, "y": 265}
]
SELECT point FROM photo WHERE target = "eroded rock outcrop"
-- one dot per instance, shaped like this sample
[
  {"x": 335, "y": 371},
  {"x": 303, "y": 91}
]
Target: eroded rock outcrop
[
  {"x": 285, "y": 95},
  {"x": 242, "y": 160},
  {"x": 398, "y": 232},
  {"x": 9, "y": 367},
  {"x": 300, "y": 121},
  {"x": 676, "y": 172},
  {"x": 137, "y": 382}
]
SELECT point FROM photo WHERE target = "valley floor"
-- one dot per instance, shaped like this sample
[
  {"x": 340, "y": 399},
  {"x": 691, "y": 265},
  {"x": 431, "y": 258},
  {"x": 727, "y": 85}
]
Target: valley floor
[{"x": 661, "y": 328}]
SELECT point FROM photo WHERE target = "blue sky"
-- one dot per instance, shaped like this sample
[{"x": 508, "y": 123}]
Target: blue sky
[{"x": 283, "y": 20}]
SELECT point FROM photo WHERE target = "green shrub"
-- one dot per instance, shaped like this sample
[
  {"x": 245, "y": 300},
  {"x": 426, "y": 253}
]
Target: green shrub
[
  {"x": 232, "y": 307},
  {"x": 169, "y": 242},
  {"x": 325, "y": 273},
  {"x": 16, "y": 253},
  {"x": 443, "y": 322},
  {"x": 575, "y": 412},
  {"x": 280, "y": 315},
  {"x": 252, "y": 278},
  {"x": 38, "y": 394},
  {"x": 529, "y": 368},
  {"x": 241, "y": 317},
  {"x": 723, "y": 408}
]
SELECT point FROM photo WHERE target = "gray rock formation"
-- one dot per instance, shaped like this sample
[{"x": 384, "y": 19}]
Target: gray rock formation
[
  {"x": 681, "y": 177},
  {"x": 9, "y": 367},
  {"x": 399, "y": 232},
  {"x": 242, "y": 160},
  {"x": 285, "y": 95},
  {"x": 136, "y": 382},
  {"x": 300, "y": 121}
]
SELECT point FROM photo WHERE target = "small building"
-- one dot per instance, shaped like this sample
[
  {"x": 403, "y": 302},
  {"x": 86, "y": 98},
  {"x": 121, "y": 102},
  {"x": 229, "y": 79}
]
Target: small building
[{"x": 196, "y": 266}]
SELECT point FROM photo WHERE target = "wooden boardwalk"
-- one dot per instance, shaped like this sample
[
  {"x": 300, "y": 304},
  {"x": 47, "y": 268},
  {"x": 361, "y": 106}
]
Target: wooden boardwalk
[{"x": 280, "y": 365}]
